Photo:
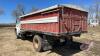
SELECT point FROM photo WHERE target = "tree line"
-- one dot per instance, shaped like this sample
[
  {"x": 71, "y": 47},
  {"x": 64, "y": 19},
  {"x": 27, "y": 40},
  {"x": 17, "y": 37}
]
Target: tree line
[
  {"x": 18, "y": 11},
  {"x": 94, "y": 10},
  {"x": 21, "y": 10}
]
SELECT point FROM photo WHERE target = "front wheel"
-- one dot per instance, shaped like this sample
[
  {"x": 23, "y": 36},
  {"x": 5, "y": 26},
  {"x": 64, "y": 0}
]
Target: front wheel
[
  {"x": 38, "y": 43},
  {"x": 17, "y": 34}
]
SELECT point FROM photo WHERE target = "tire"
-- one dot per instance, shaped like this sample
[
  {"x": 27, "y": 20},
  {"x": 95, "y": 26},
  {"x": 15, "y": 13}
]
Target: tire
[
  {"x": 19, "y": 35},
  {"x": 84, "y": 46},
  {"x": 38, "y": 43}
]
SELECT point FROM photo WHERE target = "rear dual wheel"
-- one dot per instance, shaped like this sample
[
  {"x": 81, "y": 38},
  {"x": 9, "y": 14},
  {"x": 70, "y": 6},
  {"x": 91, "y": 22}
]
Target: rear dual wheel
[{"x": 68, "y": 41}]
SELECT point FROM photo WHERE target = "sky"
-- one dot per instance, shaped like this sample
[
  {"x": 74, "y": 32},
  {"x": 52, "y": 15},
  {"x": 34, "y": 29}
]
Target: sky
[{"x": 10, "y": 5}]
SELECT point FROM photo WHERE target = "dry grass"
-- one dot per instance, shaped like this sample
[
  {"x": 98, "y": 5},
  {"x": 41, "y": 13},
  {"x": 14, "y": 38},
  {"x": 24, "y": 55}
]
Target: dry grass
[
  {"x": 93, "y": 35},
  {"x": 10, "y": 46}
]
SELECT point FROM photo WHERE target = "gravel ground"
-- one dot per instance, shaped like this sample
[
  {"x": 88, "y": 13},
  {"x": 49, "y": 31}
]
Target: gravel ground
[{"x": 10, "y": 46}]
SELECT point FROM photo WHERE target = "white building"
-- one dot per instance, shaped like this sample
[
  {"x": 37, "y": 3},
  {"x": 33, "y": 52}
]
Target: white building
[{"x": 92, "y": 20}]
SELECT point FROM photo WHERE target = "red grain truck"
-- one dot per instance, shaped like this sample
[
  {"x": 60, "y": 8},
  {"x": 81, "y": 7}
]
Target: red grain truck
[{"x": 52, "y": 25}]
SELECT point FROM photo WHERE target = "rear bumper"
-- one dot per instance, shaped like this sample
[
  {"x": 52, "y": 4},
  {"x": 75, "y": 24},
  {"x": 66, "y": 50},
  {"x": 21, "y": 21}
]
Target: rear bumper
[{"x": 74, "y": 33}]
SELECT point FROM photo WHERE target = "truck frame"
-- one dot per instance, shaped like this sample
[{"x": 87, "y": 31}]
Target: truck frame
[{"x": 53, "y": 25}]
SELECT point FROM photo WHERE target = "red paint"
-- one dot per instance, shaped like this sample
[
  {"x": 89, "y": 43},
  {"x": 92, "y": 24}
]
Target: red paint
[
  {"x": 44, "y": 27},
  {"x": 71, "y": 20}
]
